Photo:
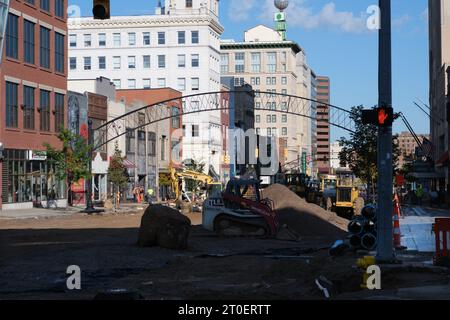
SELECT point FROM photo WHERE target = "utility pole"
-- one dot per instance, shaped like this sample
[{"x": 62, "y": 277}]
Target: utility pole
[{"x": 385, "y": 175}]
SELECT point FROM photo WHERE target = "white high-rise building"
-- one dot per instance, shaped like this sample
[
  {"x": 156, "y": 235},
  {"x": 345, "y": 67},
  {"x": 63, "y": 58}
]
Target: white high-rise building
[
  {"x": 177, "y": 47},
  {"x": 271, "y": 64}
]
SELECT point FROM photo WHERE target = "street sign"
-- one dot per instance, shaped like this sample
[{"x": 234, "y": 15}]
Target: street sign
[{"x": 280, "y": 17}]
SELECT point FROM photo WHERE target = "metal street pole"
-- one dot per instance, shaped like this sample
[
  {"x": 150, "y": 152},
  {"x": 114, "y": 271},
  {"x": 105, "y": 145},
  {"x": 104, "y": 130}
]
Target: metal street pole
[
  {"x": 385, "y": 175},
  {"x": 89, "y": 205}
]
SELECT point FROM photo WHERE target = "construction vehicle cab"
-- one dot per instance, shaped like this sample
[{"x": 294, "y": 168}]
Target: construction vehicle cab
[
  {"x": 348, "y": 200},
  {"x": 297, "y": 183},
  {"x": 240, "y": 211}
]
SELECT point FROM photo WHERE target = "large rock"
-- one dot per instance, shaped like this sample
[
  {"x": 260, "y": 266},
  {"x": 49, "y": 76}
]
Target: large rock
[{"x": 165, "y": 227}]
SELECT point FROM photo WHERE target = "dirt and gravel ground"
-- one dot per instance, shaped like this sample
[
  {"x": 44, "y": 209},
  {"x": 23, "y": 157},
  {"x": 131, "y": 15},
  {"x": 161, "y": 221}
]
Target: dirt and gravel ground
[{"x": 35, "y": 255}]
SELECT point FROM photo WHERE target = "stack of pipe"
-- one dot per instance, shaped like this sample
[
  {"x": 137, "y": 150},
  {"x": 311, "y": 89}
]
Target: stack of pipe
[{"x": 363, "y": 229}]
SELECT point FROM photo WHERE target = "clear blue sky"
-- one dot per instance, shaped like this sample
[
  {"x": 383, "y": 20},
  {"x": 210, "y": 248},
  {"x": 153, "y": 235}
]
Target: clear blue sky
[{"x": 337, "y": 43}]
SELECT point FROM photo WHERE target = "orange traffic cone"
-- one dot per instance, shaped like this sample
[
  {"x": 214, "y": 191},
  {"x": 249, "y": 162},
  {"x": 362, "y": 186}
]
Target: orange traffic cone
[{"x": 397, "y": 232}]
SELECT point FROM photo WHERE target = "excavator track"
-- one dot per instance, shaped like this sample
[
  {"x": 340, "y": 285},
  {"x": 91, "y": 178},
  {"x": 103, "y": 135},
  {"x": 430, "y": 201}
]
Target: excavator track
[{"x": 230, "y": 226}]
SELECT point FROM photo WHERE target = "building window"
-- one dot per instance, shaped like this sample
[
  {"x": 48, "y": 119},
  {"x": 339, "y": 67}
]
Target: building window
[
  {"x": 188, "y": 3},
  {"x": 161, "y": 38},
  {"x": 257, "y": 118},
  {"x": 102, "y": 63},
  {"x": 87, "y": 40},
  {"x": 195, "y": 84},
  {"x": 146, "y": 83},
  {"x": 151, "y": 144},
  {"x": 116, "y": 39},
  {"x": 131, "y": 38},
  {"x": 224, "y": 63},
  {"x": 131, "y": 62},
  {"x": 146, "y": 62},
  {"x": 87, "y": 63},
  {"x": 44, "y": 105},
  {"x": 284, "y": 91},
  {"x": 45, "y": 48},
  {"x": 28, "y": 109},
  {"x": 181, "y": 37},
  {"x": 256, "y": 62},
  {"x": 239, "y": 58},
  {"x": 284, "y": 118},
  {"x": 271, "y": 62},
  {"x": 181, "y": 84},
  {"x": 195, "y": 130},
  {"x": 45, "y": 5},
  {"x": 274, "y": 132},
  {"x": 131, "y": 84},
  {"x": 195, "y": 37},
  {"x": 146, "y": 38},
  {"x": 284, "y": 80},
  {"x": 268, "y": 118},
  {"x": 12, "y": 36},
  {"x": 59, "y": 8},
  {"x": 258, "y": 130},
  {"x": 274, "y": 118},
  {"x": 116, "y": 63},
  {"x": 161, "y": 82},
  {"x": 59, "y": 112},
  {"x": 161, "y": 61},
  {"x": 284, "y": 131},
  {"x": 269, "y": 132},
  {"x": 28, "y": 41},
  {"x": 130, "y": 141},
  {"x": 73, "y": 63},
  {"x": 11, "y": 104},
  {"x": 181, "y": 61},
  {"x": 284, "y": 106},
  {"x": 59, "y": 52},
  {"x": 176, "y": 118},
  {"x": 101, "y": 39},
  {"x": 117, "y": 83},
  {"x": 72, "y": 40},
  {"x": 195, "y": 60}
]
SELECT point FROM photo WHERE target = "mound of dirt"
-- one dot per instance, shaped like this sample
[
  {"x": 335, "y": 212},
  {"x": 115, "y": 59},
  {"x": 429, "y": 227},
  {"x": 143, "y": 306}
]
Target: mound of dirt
[{"x": 304, "y": 218}]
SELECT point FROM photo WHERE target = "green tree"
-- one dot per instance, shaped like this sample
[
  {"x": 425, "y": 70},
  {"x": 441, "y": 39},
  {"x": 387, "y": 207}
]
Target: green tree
[
  {"x": 359, "y": 151},
  {"x": 116, "y": 172},
  {"x": 71, "y": 162},
  {"x": 197, "y": 166}
]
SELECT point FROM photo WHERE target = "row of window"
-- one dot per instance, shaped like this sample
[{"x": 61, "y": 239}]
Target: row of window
[
  {"x": 30, "y": 47},
  {"x": 273, "y": 131},
  {"x": 161, "y": 83},
  {"x": 103, "y": 41},
  {"x": 29, "y": 108},
  {"x": 132, "y": 62},
  {"x": 255, "y": 81},
  {"x": 271, "y": 118},
  {"x": 44, "y": 5},
  {"x": 256, "y": 62}
]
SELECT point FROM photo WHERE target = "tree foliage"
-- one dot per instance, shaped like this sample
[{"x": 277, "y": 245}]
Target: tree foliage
[
  {"x": 71, "y": 162},
  {"x": 116, "y": 169}
]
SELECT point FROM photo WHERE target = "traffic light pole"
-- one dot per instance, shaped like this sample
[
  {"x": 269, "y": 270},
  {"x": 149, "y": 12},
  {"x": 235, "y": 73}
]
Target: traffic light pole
[{"x": 385, "y": 169}]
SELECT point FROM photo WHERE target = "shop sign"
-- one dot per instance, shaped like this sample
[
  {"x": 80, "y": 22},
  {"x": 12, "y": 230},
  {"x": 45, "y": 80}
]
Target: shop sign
[{"x": 37, "y": 155}]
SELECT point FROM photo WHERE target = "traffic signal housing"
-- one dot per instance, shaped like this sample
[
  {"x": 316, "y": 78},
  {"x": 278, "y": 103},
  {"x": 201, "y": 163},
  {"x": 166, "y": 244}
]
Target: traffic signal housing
[
  {"x": 385, "y": 116},
  {"x": 101, "y": 9},
  {"x": 380, "y": 117}
]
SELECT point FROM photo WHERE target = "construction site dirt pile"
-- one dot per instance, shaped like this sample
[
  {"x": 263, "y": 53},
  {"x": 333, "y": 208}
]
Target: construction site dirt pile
[{"x": 304, "y": 218}]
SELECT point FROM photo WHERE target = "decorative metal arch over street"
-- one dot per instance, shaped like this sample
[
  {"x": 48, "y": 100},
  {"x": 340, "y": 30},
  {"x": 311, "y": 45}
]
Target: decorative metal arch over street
[{"x": 211, "y": 101}]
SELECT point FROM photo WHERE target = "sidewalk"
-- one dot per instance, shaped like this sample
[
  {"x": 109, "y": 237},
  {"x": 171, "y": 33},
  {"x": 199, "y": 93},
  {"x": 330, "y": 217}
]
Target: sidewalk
[{"x": 37, "y": 213}]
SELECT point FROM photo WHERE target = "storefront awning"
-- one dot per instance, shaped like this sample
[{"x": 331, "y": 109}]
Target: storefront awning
[
  {"x": 443, "y": 160},
  {"x": 128, "y": 164}
]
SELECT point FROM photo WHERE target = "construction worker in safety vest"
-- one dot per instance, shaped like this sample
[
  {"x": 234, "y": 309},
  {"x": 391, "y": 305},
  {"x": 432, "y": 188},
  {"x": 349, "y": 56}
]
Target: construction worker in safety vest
[{"x": 150, "y": 194}]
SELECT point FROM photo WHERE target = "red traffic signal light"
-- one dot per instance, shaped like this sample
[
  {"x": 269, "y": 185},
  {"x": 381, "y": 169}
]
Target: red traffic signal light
[
  {"x": 385, "y": 116},
  {"x": 381, "y": 117},
  {"x": 101, "y": 9}
]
